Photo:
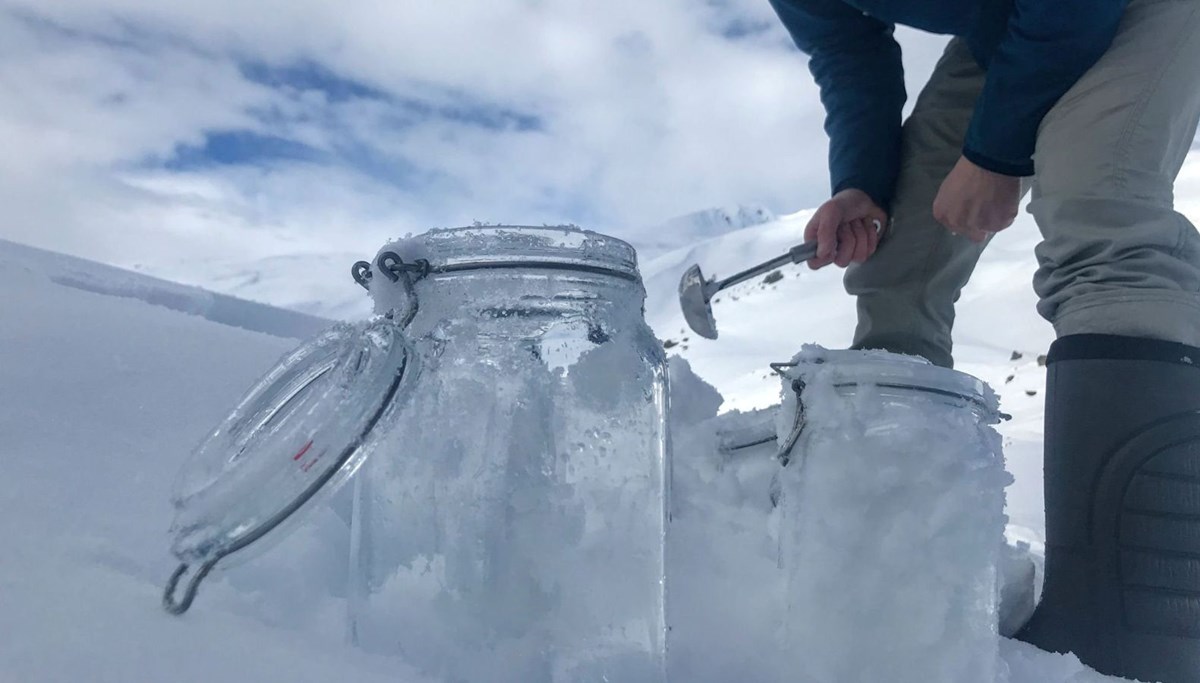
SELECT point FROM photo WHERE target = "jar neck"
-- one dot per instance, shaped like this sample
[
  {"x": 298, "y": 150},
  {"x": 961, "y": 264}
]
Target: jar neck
[{"x": 520, "y": 303}]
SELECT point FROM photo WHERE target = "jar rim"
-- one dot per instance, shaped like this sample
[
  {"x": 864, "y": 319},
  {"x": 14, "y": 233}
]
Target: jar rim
[
  {"x": 848, "y": 368},
  {"x": 565, "y": 247}
]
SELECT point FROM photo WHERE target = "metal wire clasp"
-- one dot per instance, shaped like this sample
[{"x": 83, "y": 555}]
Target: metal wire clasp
[
  {"x": 392, "y": 266},
  {"x": 784, "y": 454},
  {"x": 178, "y": 607},
  {"x": 399, "y": 271},
  {"x": 395, "y": 267}
]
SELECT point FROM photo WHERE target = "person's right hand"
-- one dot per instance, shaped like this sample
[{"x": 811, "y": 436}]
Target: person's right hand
[{"x": 844, "y": 229}]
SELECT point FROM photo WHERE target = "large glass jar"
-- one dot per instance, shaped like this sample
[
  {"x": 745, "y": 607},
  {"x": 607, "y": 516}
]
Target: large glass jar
[{"x": 509, "y": 519}]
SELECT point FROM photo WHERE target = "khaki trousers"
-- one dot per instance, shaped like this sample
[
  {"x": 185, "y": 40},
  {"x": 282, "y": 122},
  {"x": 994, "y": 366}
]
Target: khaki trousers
[{"x": 1115, "y": 257}]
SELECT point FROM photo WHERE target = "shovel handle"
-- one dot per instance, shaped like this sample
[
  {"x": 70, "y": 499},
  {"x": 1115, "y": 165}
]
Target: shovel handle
[
  {"x": 803, "y": 252},
  {"x": 797, "y": 254},
  {"x": 696, "y": 293}
]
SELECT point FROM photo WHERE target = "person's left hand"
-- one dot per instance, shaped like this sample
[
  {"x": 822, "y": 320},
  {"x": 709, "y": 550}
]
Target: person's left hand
[{"x": 976, "y": 202}]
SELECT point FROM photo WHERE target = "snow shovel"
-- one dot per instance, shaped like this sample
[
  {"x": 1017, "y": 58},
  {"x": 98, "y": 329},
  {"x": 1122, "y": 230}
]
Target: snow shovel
[{"x": 696, "y": 293}]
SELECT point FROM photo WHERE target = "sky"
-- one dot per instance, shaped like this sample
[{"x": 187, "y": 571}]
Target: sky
[{"x": 162, "y": 135}]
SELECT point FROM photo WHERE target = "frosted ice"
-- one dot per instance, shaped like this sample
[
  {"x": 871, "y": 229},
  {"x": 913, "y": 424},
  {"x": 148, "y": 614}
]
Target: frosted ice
[
  {"x": 891, "y": 523},
  {"x": 725, "y": 584},
  {"x": 508, "y": 525},
  {"x": 730, "y": 592}
]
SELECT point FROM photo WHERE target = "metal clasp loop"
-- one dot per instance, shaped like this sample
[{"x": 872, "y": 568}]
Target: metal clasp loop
[
  {"x": 392, "y": 266},
  {"x": 361, "y": 272},
  {"x": 395, "y": 267},
  {"x": 396, "y": 270},
  {"x": 189, "y": 594}
]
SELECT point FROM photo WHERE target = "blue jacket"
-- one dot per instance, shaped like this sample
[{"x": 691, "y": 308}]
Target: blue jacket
[{"x": 1033, "y": 51}]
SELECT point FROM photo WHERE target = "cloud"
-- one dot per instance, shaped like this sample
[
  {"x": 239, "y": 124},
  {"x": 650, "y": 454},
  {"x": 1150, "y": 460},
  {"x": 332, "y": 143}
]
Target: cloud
[{"x": 152, "y": 133}]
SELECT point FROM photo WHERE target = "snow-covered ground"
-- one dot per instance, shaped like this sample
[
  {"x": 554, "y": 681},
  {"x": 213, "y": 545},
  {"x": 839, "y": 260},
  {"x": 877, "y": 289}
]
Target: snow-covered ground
[
  {"x": 101, "y": 395},
  {"x": 108, "y": 378}
]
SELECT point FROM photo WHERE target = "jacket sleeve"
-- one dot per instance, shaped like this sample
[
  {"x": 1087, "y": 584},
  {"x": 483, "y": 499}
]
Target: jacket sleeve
[
  {"x": 857, "y": 66},
  {"x": 1048, "y": 46}
]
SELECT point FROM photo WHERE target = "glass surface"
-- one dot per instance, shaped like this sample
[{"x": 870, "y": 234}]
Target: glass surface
[
  {"x": 891, "y": 510},
  {"x": 509, "y": 525},
  {"x": 296, "y": 432}
]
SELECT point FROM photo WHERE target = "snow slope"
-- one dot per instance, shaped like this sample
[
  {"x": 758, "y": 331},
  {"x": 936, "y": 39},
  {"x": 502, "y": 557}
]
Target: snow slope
[
  {"x": 316, "y": 284},
  {"x": 101, "y": 395},
  {"x": 89, "y": 276},
  {"x": 699, "y": 225},
  {"x": 103, "y": 390}
]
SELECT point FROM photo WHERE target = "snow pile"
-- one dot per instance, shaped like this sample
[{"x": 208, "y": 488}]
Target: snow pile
[
  {"x": 1027, "y": 664},
  {"x": 724, "y": 582}
]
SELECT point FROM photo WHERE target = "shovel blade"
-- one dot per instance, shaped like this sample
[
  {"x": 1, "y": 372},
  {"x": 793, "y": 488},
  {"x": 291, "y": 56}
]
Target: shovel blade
[{"x": 693, "y": 300}]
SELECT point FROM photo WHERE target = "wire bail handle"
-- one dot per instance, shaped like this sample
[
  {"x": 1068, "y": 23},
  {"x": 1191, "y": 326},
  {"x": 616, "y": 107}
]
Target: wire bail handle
[
  {"x": 193, "y": 586},
  {"x": 784, "y": 454},
  {"x": 798, "y": 385}
]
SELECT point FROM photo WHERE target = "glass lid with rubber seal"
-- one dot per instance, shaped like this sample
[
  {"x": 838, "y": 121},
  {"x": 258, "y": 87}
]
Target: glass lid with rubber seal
[{"x": 302, "y": 430}]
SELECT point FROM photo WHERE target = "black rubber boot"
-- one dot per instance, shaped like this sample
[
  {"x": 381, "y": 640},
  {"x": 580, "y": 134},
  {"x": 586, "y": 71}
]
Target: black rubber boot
[{"x": 1122, "y": 481}]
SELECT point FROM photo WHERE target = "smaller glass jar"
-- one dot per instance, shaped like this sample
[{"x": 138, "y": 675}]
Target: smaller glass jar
[{"x": 892, "y": 518}]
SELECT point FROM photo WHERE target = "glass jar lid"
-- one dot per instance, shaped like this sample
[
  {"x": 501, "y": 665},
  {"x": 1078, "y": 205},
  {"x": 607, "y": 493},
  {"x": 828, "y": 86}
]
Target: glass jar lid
[{"x": 301, "y": 430}]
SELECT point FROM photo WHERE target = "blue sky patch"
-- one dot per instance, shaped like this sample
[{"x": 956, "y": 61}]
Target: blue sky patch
[
  {"x": 452, "y": 106},
  {"x": 741, "y": 27},
  {"x": 730, "y": 21},
  {"x": 472, "y": 113},
  {"x": 306, "y": 76},
  {"x": 396, "y": 112},
  {"x": 240, "y": 147},
  {"x": 246, "y": 147}
]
